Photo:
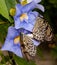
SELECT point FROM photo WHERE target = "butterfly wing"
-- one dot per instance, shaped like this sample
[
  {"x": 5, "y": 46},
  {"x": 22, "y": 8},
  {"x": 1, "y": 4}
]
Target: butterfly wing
[
  {"x": 28, "y": 48},
  {"x": 42, "y": 30},
  {"x": 48, "y": 33}
]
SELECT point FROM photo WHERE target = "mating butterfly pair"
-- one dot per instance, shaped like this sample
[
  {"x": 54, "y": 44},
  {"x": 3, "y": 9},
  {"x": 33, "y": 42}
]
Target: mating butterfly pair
[{"x": 41, "y": 32}]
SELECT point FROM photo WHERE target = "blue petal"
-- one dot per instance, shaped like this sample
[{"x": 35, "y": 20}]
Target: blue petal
[
  {"x": 25, "y": 31},
  {"x": 10, "y": 46},
  {"x": 9, "y": 43},
  {"x": 34, "y": 13},
  {"x": 28, "y": 7},
  {"x": 31, "y": 6},
  {"x": 37, "y": 1},
  {"x": 24, "y": 25},
  {"x": 31, "y": 21},
  {"x": 40, "y": 7},
  {"x": 18, "y": 10},
  {"x": 17, "y": 23},
  {"x": 12, "y": 32},
  {"x": 32, "y": 17},
  {"x": 29, "y": 1},
  {"x": 27, "y": 26},
  {"x": 36, "y": 43}
]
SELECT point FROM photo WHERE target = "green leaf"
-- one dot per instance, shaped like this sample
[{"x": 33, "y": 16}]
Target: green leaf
[
  {"x": 5, "y": 6},
  {"x": 54, "y": 52},
  {"x": 21, "y": 61},
  {"x": 3, "y": 31},
  {"x": 40, "y": 53},
  {"x": 3, "y": 9},
  {"x": 2, "y": 22},
  {"x": 10, "y": 4},
  {"x": 53, "y": 1}
]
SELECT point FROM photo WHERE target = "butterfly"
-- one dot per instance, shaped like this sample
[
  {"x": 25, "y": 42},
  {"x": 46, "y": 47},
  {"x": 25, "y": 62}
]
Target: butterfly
[
  {"x": 27, "y": 46},
  {"x": 42, "y": 31}
]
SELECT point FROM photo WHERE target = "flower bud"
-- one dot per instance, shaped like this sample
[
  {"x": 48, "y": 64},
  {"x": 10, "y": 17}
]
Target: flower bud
[{"x": 12, "y": 11}]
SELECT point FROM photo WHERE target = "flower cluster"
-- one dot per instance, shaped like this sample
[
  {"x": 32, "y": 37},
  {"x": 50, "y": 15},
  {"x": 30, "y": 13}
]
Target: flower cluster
[{"x": 24, "y": 21}]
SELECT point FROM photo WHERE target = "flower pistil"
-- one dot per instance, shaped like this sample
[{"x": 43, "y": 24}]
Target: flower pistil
[
  {"x": 23, "y": 16},
  {"x": 17, "y": 40}
]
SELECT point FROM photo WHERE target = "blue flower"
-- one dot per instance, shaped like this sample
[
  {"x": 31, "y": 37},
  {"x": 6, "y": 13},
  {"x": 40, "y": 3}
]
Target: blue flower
[
  {"x": 35, "y": 4},
  {"x": 12, "y": 42},
  {"x": 9, "y": 44},
  {"x": 29, "y": 1},
  {"x": 36, "y": 1},
  {"x": 24, "y": 17}
]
